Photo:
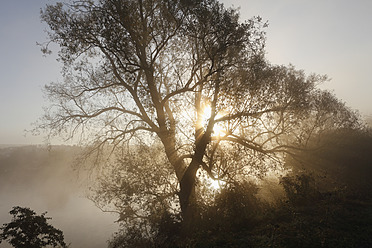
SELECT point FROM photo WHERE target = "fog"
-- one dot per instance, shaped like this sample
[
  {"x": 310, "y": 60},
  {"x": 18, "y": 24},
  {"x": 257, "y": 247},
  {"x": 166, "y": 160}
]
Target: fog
[{"x": 44, "y": 180}]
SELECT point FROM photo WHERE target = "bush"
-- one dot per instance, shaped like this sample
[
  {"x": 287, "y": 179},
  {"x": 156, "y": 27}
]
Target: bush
[
  {"x": 300, "y": 189},
  {"x": 28, "y": 230}
]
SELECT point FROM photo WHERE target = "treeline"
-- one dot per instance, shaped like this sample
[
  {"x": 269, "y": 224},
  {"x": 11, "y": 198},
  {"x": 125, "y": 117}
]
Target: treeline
[
  {"x": 29, "y": 162},
  {"x": 47, "y": 169}
]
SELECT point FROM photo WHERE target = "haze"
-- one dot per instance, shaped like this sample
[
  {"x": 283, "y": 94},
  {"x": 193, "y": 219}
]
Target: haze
[
  {"x": 327, "y": 37},
  {"x": 43, "y": 180}
]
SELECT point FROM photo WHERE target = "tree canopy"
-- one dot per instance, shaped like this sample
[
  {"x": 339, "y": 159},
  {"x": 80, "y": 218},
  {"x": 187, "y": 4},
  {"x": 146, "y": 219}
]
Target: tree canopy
[
  {"x": 28, "y": 230},
  {"x": 179, "y": 87}
]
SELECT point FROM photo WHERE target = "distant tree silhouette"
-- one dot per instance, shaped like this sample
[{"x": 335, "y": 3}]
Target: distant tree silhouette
[
  {"x": 28, "y": 230},
  {"x": 188, "y": 78}
]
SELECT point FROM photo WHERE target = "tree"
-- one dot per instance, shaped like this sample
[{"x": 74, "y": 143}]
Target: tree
[
  {"x": 343, "y": 164},
  {"x": 28, "y": 230},
  {"x": 185, "y": 75}
]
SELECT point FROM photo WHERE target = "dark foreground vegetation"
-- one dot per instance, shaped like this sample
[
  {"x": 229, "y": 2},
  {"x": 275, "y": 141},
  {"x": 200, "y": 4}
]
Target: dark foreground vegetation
[
  {"x": 331, "y": 219},
  {"x": 324, "y": 201},
  {"x": 28, "y": 230},
  {"x": 327, "y": 205}
]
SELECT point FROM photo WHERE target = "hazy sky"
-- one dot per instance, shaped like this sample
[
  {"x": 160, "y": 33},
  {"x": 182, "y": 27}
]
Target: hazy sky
[{"x": 330, "y": 37}]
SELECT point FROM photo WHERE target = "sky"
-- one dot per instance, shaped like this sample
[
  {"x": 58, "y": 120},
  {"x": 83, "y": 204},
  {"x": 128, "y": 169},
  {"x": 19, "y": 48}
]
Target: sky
[{"x": 330, "y": 37}]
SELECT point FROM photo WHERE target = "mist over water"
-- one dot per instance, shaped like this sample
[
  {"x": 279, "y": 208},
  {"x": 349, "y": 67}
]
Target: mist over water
[{"x": 43, "y": 179}]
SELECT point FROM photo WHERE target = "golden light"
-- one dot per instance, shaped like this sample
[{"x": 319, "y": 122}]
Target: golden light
[
  {"x": 215, "y": 185},
  {"x": 218, "y": 129}
]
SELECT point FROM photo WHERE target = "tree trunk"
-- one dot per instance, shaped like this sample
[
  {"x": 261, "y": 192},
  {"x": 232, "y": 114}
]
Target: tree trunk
[{"x": 187, "y": 198}]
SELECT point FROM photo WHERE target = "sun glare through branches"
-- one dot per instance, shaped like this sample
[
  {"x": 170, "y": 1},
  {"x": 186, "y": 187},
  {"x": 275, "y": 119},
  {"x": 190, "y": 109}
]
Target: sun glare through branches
[
  {"x": 216, "y": 184},
  {"x": 218, "y": 129}
]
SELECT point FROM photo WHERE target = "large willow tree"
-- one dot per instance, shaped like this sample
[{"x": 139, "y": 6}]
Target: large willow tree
[{"x": 185, "y": 74}]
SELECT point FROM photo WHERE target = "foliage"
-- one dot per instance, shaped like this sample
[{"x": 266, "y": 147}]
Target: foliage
[
  {"x": 142, "y": 74},
  {"x": 236, "y": 208},
  {"x": 130, "y": 237},
  {"x": 237, "y": 205},
  {"x": 321, "y": 219},
  {"x": 28, "y": 230},
  {"x": 300, "y": 189},
  {"x": 311, "y": 215},
  {"x": 139, "y": 188},
  {"x": 325, "y": 219},
  {"x": 344, "y": 161}
]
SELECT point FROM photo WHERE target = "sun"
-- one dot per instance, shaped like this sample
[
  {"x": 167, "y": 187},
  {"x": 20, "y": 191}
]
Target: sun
[
  {"x": 212, "y": 185},
  {"x": 216, "y": 184},
  {"x": 218, "y": 129}
]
